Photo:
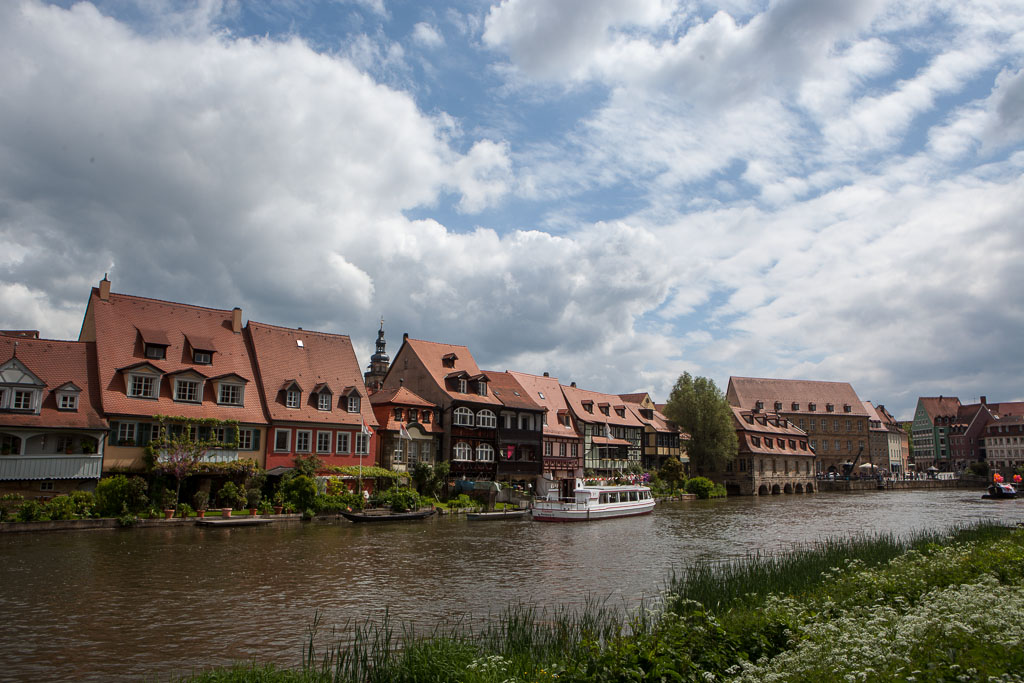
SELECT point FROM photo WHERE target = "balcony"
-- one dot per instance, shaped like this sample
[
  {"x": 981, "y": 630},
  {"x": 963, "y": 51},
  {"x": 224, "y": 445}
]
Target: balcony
[
  {"x": 33, "y": 467},
  {"x": 213, "y": 456}
]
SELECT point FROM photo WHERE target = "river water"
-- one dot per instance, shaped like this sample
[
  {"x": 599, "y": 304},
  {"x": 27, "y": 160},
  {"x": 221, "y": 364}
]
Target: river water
[{"x": 153, "y": 603}]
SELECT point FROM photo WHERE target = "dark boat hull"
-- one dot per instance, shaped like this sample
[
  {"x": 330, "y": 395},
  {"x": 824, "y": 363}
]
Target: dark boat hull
[{"x": 388, "y": 517}]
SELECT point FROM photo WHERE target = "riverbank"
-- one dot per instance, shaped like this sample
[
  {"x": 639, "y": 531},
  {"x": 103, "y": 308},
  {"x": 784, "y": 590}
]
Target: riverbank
[{"x": 928, "y": 607}]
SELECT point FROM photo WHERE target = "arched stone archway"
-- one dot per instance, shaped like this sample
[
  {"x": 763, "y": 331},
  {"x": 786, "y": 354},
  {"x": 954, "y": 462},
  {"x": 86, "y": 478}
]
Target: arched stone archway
[
  {"x": 810, "y": 487},
  {"x": 799, "y": 488},
  {"x": 762, "y": 490},
  {"x": 733, "y": 489},
  {"x": 788, "y": 488},
  {"x": 776, "y": 490}
]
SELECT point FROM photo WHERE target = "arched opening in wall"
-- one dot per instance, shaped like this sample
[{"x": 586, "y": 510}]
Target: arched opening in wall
[
  {"x": 799, "y": 488},
  {"x": 810, "y": 487},
  {"x": 788, "y": 489},
  {"x": 776, "y": 490},
  {"x": 762, "y": 490},
  {"x": 733, "y": 489}
]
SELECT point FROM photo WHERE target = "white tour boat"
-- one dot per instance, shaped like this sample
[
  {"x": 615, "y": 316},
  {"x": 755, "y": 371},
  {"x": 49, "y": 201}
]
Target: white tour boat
[{"x": 594, "y": 502}]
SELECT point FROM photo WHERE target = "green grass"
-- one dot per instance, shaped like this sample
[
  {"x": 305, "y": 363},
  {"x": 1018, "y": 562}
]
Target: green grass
[{"x": 935, "y": 606}]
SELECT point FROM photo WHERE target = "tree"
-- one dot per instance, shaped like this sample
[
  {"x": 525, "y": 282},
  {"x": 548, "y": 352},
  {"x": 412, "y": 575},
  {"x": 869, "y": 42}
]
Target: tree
[
  {"x": 701, "y": 410},
  {"x": 181, "y": 443},
  {"x": 671, "y": 471}
]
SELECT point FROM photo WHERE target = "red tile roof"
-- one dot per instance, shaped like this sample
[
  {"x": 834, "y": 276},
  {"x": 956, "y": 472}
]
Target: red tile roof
[
  {"x": 322, "y": 359},
  {"x": 431, "y": 355},
  {"x": 510, "y": 392},
  {"x": 575, "y": 398},
  {"x": 119, "y": 323},
  {"x": 547, "y": 393},
  {"x": 57, "y": 363},
  {"x": 768, "y": 426},
  {"x": 745, "y": 392},
  {"x": 940, "y": 406}
]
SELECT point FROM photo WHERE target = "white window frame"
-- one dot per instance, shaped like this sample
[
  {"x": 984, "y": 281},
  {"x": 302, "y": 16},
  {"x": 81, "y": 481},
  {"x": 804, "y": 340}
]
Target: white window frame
[
  {"x": 397, "y": 454},
  {"x": 323, "y": 401},
  {"x": 153, "y": 386},
  {"x": 181, "y": 384},
  {"x": 362, "y": 443},
  {"x": 23, "y": 399},
  {"x": 287, "y": 448},
  {"x": 547, "y": 449},
  {"x": 425, "y": 452},
  {"x": 299, "y": 435},
  {"x": 463, "y": 386},
  {"x": 485, "y": 452},
  {"x": 292, "y": 399},
  {"x": 320, "y": 434},
  {"x": 227, "y": 387},
  {"x": 353, "y": 403},
  {"x": 462, "y": 452},
  {"x": 486, "y": 418},
  {"x": 481, "y": 388},
  {"x": 67, "y": 400},
  {"x": 462, "y": 417},
  {"x": 245, "y": 439},
  {"x": 126, "y": 431},
  {"x": 414, "y": 452},
  {"x": 202, "y": 357},
  {"x": 343, "y": 443}
]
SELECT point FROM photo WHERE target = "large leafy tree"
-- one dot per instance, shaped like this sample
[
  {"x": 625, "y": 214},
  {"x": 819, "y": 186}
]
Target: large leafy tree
[{"x": 700, "y": 409}]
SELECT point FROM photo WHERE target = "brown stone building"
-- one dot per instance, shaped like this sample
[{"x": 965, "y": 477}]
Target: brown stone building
[
  {"x": 774, "y": 456},
  {"x": 830, "y": 413}
]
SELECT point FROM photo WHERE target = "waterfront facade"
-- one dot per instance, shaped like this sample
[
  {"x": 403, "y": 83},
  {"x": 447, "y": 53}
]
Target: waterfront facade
[
  {"x": 1004, "y": 445},
  {"x": 408, "y": 430},
  {"x": 163, "y": 358},
  {"x": 52, "y": 431},
  {"x": 662, "y": 439},
  {"x": 934, "y": 418},
  {"x": 520, "y": 429},
  {"x": 830, "y": 413},
  {"x": 612, "y": 435},
  {"x": 315, "y": 400},
  {"x": 774, "y": 456}
]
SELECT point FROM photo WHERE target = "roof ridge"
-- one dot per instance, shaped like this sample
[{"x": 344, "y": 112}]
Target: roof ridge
[
  {"x": 166, "y": 301},
  {"x": 299, "y": 329}
]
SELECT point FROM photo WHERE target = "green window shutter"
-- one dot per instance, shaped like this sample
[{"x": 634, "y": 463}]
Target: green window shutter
[
  {"x": 112, "y": 437},
  {"x": 145, "y": 429},
  {"x": 255, "y": 439}
]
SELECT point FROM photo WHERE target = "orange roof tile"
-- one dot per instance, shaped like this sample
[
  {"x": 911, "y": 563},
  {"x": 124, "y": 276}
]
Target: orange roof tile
[
  {"x": 940, "y": 406},
  {"x": 431, "y": 355},
  {"x": 745, "y": 392},
  {"x": 510, "y": 392},
  {"x": 546, "y": 392},
  {"x": 118, "y": 322},
  {"x": 57, "y": 363},
  {"x": 322, "y": 358},
  {"x": 575, "y": 398}
]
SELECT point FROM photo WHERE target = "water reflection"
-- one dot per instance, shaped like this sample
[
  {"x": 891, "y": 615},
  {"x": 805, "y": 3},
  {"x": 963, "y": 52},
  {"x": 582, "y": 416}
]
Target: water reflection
[{"x": 153, "y": 602}]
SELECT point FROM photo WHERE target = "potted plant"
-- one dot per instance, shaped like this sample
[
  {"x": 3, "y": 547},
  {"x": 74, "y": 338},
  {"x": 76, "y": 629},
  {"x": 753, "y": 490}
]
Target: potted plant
[
  {"x": 201, "y": 499},
  {"x": 265, "y": 507},
  {"x": 252, "y": 500},
  {"x": 170, "y": 503},
  {"x": 230, "y": 498},
  {"x": 88, "y": 447},
  {"x": 278, "y": 503},
  {"x": 185, "y": 510}
]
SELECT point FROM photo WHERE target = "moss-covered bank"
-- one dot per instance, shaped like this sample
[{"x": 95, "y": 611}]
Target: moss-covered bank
[{"x": 937, "y": 607}]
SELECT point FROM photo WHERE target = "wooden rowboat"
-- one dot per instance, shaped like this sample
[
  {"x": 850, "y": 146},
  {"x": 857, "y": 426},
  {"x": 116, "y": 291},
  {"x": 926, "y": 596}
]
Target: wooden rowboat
[
  {"x": 506, "y": 514},
  {"x": 387, "y": 515}
]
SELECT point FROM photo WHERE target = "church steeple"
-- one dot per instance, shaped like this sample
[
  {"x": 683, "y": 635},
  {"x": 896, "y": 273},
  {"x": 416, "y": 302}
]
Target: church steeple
[{"x": 379, "y": 363}]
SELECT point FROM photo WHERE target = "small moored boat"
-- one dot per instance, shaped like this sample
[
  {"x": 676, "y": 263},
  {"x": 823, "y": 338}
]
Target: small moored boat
[
  {"x": 999, "y": 491},
  {"x": 500, "y": 514},
  {"x": 387, "y": 515},
  {"x": 595, "y": 502}
]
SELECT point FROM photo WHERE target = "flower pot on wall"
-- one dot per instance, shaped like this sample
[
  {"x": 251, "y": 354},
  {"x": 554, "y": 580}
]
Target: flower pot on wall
[
  {"x": 169, "y": 513},
  {"x": 200, "y": 513},
  {"x": 225, "y": 512},
  {"x": 277, "y": 509},
  {"x": 252, "y": 512}
]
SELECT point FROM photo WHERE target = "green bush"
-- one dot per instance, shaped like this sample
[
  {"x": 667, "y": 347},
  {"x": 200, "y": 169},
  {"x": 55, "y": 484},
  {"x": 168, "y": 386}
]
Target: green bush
[
  {"x": 230, "y": 496},
  {"x": 84, "y": 503},
  {"x": 9, "y": 502},
  {"x": 185, "y": 510},
  {"x": 201, "y": 499},
  {"x": 60, "y": 507},
  {"x": 300, "y": 491},
  {"x": 701, "y": 486},
  {"x": 461, "y": 501},
  {"x": 120, "y": 494},
  {"x": 31, "y": 511},
  {"x": 333, "y": 504},
  {"x": 399, "y": 499}
]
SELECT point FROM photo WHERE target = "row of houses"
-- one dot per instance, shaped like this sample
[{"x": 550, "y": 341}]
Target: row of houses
[
  {"x": 949, "y": 435},
  {"x": 71, "y": 411}
]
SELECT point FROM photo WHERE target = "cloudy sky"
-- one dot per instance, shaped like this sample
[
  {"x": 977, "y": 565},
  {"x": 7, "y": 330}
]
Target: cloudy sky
[{"x": 614, "y": 191}]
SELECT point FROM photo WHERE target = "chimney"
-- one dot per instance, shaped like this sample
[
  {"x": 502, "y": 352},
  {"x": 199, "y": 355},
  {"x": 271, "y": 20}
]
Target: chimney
[
  {"x": 401, "y": 381},
  {"x": 572, "y": 384},
  {"x": 236, "y": 320},
  {"x": 546, "y": 374},
  {"x": 405, "y": 336},
  {"x": 104, "y": 288},
  {"x": 984, "y": 400}
]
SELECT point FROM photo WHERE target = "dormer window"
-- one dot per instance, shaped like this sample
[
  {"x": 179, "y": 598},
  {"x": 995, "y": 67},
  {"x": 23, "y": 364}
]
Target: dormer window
[
  {"x": 323, "y": 401},
  {"x": 448, "y": 360},
  {"x": 414, "y": 415},
  {"x": 812, "y": 407},
  {"x": 426, "y": 417},
  {"x": 621, "y": 412},
  {"x": 759, "y": 405},
  {"x": 830, "y": 408},
  {"x": 156, "y": 351},
  {"x": 142, "y": 386},
  {"x": 795, "y": 406},
  {"x": 398, "y": 414},
  {"x": 291, "y": 398},
  {"x": 186, "y": 390},
  {"x": 778, "y": 406},
  {"x": 604, "y": 410},
  {"x": 353, "y": 403},
  {"x": 481, "y": 388},
  {"x": 22, "y": 400},
  {"x": 847, "y": 408},
  {"x": 202, "y": 357},
  {"x": 230, "y": 394},
  {"x": 67, "y": 401},
  {"x": 463, "y": 386}
]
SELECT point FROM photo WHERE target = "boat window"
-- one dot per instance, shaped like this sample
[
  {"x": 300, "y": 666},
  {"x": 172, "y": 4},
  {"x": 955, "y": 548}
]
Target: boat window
[
  {"x": 633, "y": 496},
  {"x": 604, "y": 498}
]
